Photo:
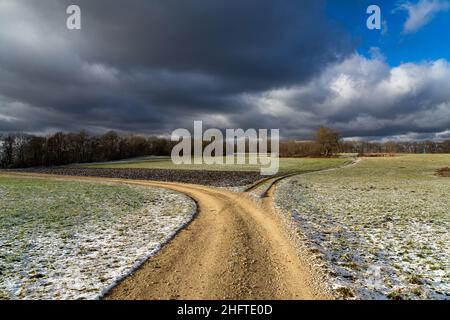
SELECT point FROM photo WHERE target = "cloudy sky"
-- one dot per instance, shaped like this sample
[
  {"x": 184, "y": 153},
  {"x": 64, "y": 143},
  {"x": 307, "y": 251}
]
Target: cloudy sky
[{"x": 151, "y": 66}]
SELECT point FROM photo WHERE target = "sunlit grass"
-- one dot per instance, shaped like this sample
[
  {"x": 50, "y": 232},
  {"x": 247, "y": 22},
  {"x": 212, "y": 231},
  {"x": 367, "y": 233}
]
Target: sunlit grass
[
  {"x": 70, "y": 240},
  {"x": 383, "y": 223}
]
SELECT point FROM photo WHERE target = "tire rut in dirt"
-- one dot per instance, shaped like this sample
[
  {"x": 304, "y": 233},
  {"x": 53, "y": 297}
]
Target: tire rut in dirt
[{"x": 249, "y": 265}]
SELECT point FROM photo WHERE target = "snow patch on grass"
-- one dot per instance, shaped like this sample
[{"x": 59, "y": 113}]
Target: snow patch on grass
[
  {"x": 381, "y": 226},
  {"x": 75, "y": 240}
]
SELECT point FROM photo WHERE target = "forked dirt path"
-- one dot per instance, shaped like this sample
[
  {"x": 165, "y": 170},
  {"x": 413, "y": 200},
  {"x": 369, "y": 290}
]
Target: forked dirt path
[{"x": 235, "y": 248}]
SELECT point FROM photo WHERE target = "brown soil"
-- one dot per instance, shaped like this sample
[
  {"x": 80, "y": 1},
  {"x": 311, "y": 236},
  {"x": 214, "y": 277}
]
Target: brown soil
[
  {"x": 444, "y": 172},
  {"x": 204, "y": 177},
  {"x": 377, "y": 155},
  {"x": 232, "y": 250}
]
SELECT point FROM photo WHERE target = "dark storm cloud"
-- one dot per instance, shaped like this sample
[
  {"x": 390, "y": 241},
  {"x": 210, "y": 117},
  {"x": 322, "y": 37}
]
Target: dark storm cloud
[
  {"x": 151, "y": 66},
  {"x": 255, "y": 43},
  {"x": 146, "y": 65}
]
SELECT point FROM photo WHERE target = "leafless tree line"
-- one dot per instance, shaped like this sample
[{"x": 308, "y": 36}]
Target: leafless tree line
[
  {"x": 21, "y": 150},
  {"x": 313, "y": 149},
  {"x": 328, "y": 142}
]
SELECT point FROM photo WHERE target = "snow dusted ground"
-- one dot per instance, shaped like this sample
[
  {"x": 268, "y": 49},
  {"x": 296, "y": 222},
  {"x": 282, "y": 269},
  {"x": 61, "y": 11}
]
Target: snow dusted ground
[
  {"x": 74, "y": 240},
  {"x": 382, "y": 226}
]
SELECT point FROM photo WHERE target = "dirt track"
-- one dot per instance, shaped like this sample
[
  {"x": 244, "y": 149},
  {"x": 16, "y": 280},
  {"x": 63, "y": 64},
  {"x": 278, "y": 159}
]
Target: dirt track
[{"x": 235, "y": 248}]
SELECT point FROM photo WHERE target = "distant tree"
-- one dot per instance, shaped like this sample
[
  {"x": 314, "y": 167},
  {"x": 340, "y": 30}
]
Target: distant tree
[
  {"x": 444, "y": 147},
  {"x": 7, "y": 151},
  {"x": 391, "y": 147},
  {"x": 328, "y": 140},
  {"x": 34, "y": 151},
  {"x": 160, "y": 146},
  {"x": 110, "y": 144}
]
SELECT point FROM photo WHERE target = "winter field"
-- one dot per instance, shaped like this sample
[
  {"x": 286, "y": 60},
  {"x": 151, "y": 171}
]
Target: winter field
[
  {"x": 73, "y": 240},
  {"x": 382, "y": 226},
  {"x": 286, "y": 164},
  {"x": 378, "y": 228}
]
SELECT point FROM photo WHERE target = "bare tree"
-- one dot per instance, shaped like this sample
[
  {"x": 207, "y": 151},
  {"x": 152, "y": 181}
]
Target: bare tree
[{"x": 328, "y": 140}]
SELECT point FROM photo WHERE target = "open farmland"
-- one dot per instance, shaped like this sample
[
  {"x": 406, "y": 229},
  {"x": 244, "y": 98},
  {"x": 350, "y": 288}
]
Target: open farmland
[
  {"x": 72, "y": 240},
  {"x": 236, "y": 177},
  {"x": 286, "y": 164},
  {"x": 208, "y": 178},
  {"x": 381, "y": 226}
]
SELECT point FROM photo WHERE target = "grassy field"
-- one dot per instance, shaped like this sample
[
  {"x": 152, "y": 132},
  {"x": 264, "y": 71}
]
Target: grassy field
[
  {"x": 286, "y": 164},
  {"x": 382, "y": 225},
  {"x": 70, "y": 240}
]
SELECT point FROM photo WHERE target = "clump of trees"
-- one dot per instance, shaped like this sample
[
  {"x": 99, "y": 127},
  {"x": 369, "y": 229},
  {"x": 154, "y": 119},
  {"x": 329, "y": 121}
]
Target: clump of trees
[
  {"x": 327, "y": 143},
  {"x": 21, "y": 150}
]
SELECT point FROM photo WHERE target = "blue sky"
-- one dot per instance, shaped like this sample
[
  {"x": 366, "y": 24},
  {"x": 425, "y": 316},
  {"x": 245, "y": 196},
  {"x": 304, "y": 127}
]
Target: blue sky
[{"x": 430, "y": 42}]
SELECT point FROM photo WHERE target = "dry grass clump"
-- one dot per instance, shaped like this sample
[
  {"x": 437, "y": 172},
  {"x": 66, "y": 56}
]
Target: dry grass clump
[
  {"x": 444, "y": 172},
  {"x": 377, "y": 155}
]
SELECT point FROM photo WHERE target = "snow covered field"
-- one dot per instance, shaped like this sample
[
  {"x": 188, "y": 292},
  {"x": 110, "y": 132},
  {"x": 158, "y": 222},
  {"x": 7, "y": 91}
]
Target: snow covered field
[
  {"x": 382, "y": 227},
  {"x": 73, "y": 240}
]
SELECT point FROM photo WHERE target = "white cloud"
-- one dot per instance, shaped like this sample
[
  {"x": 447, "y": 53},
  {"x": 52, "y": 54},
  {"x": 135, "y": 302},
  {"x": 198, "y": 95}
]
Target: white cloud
[
  {"x": 364, "y": 96},
  {"x": 421, "y": 13},
  {"x": 444, "y": 135}
]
